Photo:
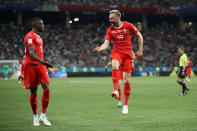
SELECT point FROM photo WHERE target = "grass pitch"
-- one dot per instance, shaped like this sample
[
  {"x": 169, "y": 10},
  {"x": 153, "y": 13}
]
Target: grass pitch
[{"x": 85, "y": 104}]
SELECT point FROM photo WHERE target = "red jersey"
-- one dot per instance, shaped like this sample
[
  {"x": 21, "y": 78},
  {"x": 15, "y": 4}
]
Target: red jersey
[
  {"x": 20, "y": 61},
  {"x": 122, "y": 36},
  {"x": 189, "y": 63},
  {"x": 32, "y": 39},
  {"x": 22, "y": 68}
]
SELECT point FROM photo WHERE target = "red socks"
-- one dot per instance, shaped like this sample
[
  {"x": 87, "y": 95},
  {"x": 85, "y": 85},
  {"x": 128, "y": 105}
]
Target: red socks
[
  {"x": 33, "y": 102},
  {"x": 45, "y": 100},
  {"x": 127, "y": 90},
  {"x": 115, "y": 78},
  {"x": 119, "y": 91}
]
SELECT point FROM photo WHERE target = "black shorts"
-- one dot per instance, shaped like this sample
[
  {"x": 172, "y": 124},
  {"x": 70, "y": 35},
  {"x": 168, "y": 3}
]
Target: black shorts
[{"x": 180, "y": 72}]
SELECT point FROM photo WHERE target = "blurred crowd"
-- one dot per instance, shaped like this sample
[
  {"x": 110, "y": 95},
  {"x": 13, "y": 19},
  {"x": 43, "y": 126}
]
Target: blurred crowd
[
  {"x": 161, "y": 44},
  {"x": 74, "y": 46},
  {"x": 114, "y": 3}
]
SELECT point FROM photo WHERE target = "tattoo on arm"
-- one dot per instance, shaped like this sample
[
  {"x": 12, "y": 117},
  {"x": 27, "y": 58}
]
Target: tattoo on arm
[{"x": 33, "y": 55}]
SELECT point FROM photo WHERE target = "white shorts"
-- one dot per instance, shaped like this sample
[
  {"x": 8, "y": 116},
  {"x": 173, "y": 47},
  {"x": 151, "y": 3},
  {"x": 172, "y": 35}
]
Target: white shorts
[{"x": 18, "y": 73}]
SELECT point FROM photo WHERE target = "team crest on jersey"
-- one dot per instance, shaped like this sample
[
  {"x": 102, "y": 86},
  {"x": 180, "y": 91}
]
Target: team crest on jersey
[
  {"x": 113, "y": 31},
  {"x": 29, "y": 40}
]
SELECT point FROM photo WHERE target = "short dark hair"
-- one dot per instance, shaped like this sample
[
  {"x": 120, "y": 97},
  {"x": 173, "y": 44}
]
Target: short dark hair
[
  {"x": 182, "y": 48},
  {"x": 116, "y": 12},
  {"x": 33, "y": 20}
]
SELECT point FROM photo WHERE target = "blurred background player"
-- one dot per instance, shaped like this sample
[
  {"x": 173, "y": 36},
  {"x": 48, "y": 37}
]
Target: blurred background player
[
  {"x": 22, "y": 71},
  {"x": 120, "y": 32},
  {"x": 19, "y": 70},
  {"x": 182, "y": 71},
  {"x": 6, "y": 71},
  {"x": 35, "y": 71},
  {"x": 189, "y": 69}
]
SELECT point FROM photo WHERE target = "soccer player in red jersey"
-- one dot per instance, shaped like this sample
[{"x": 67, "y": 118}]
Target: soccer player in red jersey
[
  {"x": 120, "y": 32},
  {"x": 35, "y": 71},
  {"x": 189, "y": 68}
]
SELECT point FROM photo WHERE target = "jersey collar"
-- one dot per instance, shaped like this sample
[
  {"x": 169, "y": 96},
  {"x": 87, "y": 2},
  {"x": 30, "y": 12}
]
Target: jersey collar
[
  {"x": 35, "y": 34},
  {"x": 119, "y": 26}
]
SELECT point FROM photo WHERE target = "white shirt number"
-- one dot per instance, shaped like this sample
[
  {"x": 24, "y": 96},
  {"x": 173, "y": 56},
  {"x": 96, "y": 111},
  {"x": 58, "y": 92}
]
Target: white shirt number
[{"x": 120, "y": 37}]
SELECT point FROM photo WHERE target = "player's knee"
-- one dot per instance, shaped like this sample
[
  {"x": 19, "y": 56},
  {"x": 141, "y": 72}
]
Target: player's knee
[
  {"x": 115, "y": 64},
  {"x": 45, "y": 86},
  {"x": 119, "y": 85},
  {"x": 33, "y": 91},
  {"x": 127, "y": 77},
  {"x": 127, "y": 80}
]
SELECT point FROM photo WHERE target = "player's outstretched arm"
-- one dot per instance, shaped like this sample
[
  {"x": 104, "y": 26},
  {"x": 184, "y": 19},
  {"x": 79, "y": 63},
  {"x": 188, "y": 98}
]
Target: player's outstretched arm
[
  {"x": 104, "y": 46},
  {"x": 52, "y": 69},
  {"x": 140, "y": 44},
  {"x": 35, "y": 57},
  {"x": 109, "y": 63}
]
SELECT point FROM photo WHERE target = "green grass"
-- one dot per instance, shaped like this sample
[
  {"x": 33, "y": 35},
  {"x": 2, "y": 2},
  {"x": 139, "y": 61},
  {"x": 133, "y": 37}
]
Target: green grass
[{"x": 85, "y": 104}]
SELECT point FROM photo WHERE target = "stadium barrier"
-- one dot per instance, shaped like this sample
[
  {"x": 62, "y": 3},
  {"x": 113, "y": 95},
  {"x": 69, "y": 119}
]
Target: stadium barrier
[{"x": 64, "y": 72}]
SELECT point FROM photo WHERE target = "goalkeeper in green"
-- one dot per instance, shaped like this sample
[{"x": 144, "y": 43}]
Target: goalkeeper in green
[{"x": 5, "y": 71}]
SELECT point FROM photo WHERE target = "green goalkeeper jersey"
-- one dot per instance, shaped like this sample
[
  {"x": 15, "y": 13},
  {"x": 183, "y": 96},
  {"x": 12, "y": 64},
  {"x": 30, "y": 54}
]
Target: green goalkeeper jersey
[{"x": 5, "y": 68}]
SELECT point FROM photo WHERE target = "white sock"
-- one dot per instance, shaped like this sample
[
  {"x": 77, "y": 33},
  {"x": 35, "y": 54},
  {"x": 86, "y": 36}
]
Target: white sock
[
  {"x": 42, "y": 115},
  {"x": 36, "y": 116}
]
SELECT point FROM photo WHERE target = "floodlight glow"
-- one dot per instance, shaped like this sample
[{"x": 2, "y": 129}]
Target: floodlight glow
[{"x": 76, "y": 19}]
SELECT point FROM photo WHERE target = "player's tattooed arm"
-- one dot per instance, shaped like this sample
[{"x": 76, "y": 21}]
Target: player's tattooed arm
[{"x": 35, "y": 57}]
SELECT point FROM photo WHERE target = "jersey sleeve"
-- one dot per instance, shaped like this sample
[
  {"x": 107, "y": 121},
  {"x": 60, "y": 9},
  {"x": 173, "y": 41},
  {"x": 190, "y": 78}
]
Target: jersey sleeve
[
  {"x": 30, "y": 40},
  {"x": 132, "y": 28},
  {"x": 108, "y": 34}
]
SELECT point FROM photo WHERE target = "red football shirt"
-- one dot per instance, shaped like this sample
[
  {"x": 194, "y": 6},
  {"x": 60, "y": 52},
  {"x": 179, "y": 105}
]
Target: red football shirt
[
  {"x": 22, "y": 68},
  {"x": 20, "y": 61},
  {"x": 32, "y": 39},
  {"x": 122, "y": 36},
  {"x": 189, "y": 63}
]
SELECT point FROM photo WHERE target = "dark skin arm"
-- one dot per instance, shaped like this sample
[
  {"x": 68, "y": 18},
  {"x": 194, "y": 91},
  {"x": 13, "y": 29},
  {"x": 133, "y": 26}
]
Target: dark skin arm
[{"x": 35, "y": 57}]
